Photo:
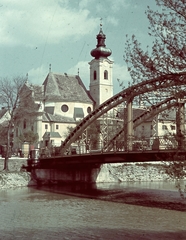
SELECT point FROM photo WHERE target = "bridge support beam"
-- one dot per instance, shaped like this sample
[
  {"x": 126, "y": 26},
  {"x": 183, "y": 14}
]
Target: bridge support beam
[
  {"x": 128, "y": 127},
  {"x": 180, "y": 125}
]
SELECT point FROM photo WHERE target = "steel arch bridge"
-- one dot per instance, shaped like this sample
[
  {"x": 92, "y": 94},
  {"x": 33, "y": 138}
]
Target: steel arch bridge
[
  {"x": 150, "y": 112},
  {"x": 127, "y": 95}
]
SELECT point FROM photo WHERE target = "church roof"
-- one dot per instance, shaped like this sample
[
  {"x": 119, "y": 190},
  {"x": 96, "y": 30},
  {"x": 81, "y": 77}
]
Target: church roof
[
  {"x": 2, "y": 112},
  {"x": 47, "y": 117},
  {"x": 136, "y": 112},
  {"x": 38, "y": 92},
  {"x": 51, "y": 135},
  {"x": 168, "y": 115},
  {"x": 67, "y": 88},
  {"x": 35, "y": 90}
]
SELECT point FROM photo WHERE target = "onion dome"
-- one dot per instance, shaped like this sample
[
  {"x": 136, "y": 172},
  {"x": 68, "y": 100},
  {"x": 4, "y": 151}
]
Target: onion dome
[{"x": 101, "y": 51}]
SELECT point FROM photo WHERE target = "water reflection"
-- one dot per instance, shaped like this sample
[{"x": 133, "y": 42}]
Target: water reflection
[
  {"x": 56, "y": 212},
  {"x": 150, "y": 194}
]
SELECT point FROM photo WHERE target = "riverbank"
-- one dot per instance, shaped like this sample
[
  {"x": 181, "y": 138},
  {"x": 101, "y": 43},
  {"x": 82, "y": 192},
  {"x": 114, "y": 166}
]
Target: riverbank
[
  {"x": 109, "y": 173},
  {"x": 15, "y": 177},
  {"x": 133, "y": 172}
]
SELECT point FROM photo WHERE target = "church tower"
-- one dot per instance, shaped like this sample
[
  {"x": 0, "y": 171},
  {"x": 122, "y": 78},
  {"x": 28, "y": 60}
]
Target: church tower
[{"x": 101, "y": 84}]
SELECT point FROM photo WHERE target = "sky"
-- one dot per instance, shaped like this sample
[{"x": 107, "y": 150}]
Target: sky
[{"x": 37, "y": 33}]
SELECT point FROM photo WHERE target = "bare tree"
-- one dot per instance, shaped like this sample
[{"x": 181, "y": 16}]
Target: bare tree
[
  {"x": 168, "y": 52},
  {"x": 10, "y": 94},
  {"x": 167, "y": 55}
]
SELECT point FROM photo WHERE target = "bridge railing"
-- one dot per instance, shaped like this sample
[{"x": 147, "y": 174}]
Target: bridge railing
[
  {"x": 156, "y": 143},
  {"x": 139, "y": 144}
]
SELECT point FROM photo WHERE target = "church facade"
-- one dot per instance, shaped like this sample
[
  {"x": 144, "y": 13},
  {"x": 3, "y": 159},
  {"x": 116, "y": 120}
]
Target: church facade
[{"x": 63, "y": 99}]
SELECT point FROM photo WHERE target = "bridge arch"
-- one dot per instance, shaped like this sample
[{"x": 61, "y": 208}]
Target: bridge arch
[
  {"x": 162, "y": 82},
  {"x": 150, "y": 112}
]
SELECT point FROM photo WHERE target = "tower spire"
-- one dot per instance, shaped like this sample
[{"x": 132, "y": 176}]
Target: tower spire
[
  {"x": 101, "y": 51},
  {"x": 101, "y": 84},
  {"x": 101, "y": 23}
]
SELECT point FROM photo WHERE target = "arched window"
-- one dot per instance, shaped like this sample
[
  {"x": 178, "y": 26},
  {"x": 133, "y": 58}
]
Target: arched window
[
  {"x": 105, "y": 74},
  {"x": 95, "y": 75}
]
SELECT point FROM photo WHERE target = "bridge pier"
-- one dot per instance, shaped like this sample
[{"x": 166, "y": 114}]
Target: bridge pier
[{"x": 70, "y": 173}]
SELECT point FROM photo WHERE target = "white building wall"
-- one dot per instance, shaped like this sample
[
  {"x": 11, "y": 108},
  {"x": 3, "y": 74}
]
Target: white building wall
[
  {"x": 143, "y": 130},
  {"x": 62, "y": 127},
  {"x": 58, "y": 109},
  {"x": 101, "y": 89},
  {"x": 166, "y": 128}
]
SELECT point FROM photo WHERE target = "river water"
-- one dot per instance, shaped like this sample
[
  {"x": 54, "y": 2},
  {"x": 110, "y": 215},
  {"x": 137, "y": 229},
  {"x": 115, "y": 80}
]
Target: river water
[{"x": 151, "y": 210}]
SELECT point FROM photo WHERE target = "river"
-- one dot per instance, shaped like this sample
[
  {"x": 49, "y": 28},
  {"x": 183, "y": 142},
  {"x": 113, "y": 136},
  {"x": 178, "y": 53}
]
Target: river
[{"x": 151, "y": 210}]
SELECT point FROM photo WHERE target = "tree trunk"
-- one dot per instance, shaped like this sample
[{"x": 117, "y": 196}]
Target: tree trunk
[
  {"x": 6, "y": 164},
  {"x": 7, "y": 150}
]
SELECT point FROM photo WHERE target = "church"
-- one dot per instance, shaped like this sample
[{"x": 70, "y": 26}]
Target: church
[{"x": 63, "y": 99}]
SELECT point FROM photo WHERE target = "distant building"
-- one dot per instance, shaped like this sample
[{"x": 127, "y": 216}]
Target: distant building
[
  {"x": 4, "y": 116},
  {"x": 159, "y": 125}
]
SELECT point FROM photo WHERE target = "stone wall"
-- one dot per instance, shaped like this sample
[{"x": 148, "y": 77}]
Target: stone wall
[
  {"x": 132, "y": 172},
  {"x": 15, "y": 177},
  {"x": 14, "y": 163},
  {"x": 108, "y": 173}
]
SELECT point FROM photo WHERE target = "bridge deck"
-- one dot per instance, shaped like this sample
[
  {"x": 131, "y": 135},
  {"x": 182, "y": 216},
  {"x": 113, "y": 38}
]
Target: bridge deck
[{"x": 109, "y": 157}]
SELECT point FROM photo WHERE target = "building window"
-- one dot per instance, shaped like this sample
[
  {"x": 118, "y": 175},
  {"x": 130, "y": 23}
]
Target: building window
[
  {"x": 46, "y": 126},
  {"x": 142, "y": 127},
  {"x": 78, "y": 113},
  {"x": 151, "y": 127},
  {"x": 57, "y": 126},
  {"x": 105, "y": 74},
  {"x": 164, "y": 127},
  {"x": 95, "y": 75},
  {"x": 173, "y": 127},
  {"x": 89, "y": 110},
  {"x": 64, "y": 108}
]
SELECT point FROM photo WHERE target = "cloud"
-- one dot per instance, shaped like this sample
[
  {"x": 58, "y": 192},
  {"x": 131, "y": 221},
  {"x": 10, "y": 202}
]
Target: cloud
[
  {"x": 120, "y": 74},
  {"x": 38, "y": 75},
  {"x": 112, "y": 20},
  {"x": 83, "y": 3},
  {"x": 83, "y": 68},
  {"x": 114, "y": 6},
  {"x": 35, "y": 22},
  {"x": 118, "y": 5}
]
